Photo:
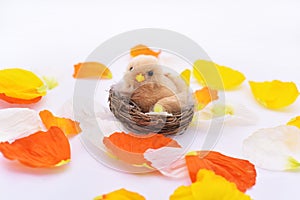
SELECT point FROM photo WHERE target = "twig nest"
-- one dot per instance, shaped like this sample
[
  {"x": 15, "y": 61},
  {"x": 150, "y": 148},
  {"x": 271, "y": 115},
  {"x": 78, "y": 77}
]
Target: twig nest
[{"x": 135, "y": 116}]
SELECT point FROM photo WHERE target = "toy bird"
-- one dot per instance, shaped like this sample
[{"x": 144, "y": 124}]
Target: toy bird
[{"x": 146, "y": 84}]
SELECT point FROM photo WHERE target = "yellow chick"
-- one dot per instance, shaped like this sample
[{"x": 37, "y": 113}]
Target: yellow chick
[{"x": 149, "y": 87}]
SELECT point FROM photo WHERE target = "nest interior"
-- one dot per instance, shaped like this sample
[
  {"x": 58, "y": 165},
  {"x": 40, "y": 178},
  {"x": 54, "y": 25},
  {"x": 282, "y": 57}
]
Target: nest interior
[{"x": 132, "y": 117}]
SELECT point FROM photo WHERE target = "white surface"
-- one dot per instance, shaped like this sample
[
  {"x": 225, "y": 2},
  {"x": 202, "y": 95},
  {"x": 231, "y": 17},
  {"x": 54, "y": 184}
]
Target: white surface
[{"x": 259, "y": 38}]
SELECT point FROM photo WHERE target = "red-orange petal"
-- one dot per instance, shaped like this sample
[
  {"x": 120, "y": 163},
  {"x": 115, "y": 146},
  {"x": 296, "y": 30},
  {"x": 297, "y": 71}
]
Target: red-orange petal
[
  {"x": 41, "y": 149},
  {"x": 68, "y": 126},
  {"x": 131, "y": 147},
  {"x": 19, "y": 101},
  {"x": 143, "y": 50},
  {"x": 241, "y": 172}
]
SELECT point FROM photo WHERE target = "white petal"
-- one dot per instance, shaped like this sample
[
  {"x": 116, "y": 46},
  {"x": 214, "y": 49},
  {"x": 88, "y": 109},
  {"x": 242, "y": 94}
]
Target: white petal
[
  {"x": 273, "y": 148},
  {"x": 168, "y": 160},
  {"x": 229, "y": 113},
  {"x": 16, "y": 123},
  {"x": 85, "y": 112}
]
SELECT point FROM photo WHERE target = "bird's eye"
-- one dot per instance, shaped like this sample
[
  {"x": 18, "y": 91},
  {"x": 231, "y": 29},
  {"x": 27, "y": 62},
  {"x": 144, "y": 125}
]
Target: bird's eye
[
  {"x": 150, "y": 73},
  {"x": 131, "y": 68}
]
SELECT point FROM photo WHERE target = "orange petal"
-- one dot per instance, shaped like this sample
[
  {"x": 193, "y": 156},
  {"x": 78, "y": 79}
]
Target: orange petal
[
  {"x": 131, "y": 147},
  {"x": 68, "y": 126},
  {"x": 121, "y": 194},
  {"x": 41, "y": 149},
  {"x": 205, "y": 96},
  {"x": 241, "y": 172},
  {"x": 91, "y": 70},
  {"x": 19, "y": 101},
  {"x": 143, "y": 50}
]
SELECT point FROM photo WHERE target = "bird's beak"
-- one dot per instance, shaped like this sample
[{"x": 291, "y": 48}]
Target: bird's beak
[{"x": 140, "y": 78}]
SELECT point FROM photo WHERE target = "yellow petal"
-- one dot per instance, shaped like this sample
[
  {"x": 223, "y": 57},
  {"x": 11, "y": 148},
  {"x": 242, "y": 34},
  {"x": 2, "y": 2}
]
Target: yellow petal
[
  {"x": 186, "y": 76},
  {"x": 274, "y": 94},
  {"x": 294, "y": 122},
  {"x": 120, "y": 194},
  {"x": 20, "y": 84},
  {"x": 209, "y": 186},
  {"x": 216, "y": 76}
]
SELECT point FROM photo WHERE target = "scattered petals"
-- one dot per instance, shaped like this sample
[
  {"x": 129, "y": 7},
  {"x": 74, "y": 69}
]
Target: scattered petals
[
  {"x": 16, "y": 123},
  {"x": 121, "y": 194},
  {"x": 131, "y": 147},
  {"x": 295, "y": 122},
  {"x": 91, "y": 70},
  {"x": 241, "y": 172},
  {"x": 68, "y": 126},
  {"x": 209, "y": 186},
  {"x": 205, "y": 96},
  {"x": 274, "y": 94},
  {"x": 41, "y": 149},
  {"x": 20, "y": 86},
  {"x": 230, "y": 113},
  {"x": 143, "y": 50},
  {"x": 275, "y": 148},
  {"x": 216, "y": 76},
  {"x": 169, "y": 161},
  {"x": 186, "y": 76}
]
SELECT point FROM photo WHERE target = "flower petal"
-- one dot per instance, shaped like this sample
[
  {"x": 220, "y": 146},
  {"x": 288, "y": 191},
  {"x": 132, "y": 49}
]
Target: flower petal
[
  {"x": 131, "y": 147},
  {"x": 16, "y": 123},
  {"x": 186, "y": 76},
  {"x": 41, "y": 149},
  {"x": 273, "y": 148},
  {"x": 19, "y": 101},
  {"x": 241, "y": 172},
  {"x": 204, "y": 96},
  {"x": 169, "y": 161},
  {"x": 230, "y": 113},
  {"x": 274, "y": 94},
  {"x": 68, "y": 126},
  {"x": 209, "y": 186},
  {"x": 143, "y": 50},
  {"x": 121, "y": 194},
  {"x": 51, "y": 82},
  {"x": 20, "y": 86},
  {"x": 295, "y": 122},
  {"x": 91, "y": 70},
  {"x": 216, "y": 76}
]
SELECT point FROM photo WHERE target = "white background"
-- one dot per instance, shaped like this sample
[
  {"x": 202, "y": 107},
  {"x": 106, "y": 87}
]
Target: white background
[{"x": 259, "y": 38}]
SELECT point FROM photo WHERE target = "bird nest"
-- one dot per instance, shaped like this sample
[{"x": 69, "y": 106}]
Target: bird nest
[{"x": 132, "y": 117}]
